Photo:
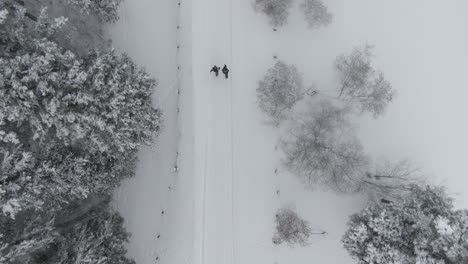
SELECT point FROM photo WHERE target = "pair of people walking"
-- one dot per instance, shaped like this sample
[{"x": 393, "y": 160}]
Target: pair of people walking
[{"x": 216, "y": 69}]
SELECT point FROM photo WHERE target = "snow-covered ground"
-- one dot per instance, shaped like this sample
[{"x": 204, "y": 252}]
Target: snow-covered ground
[
  {"x": 235, "y": 150},
  {"x": 221, "y": 205},
  {"x": 157, "y": 202}
]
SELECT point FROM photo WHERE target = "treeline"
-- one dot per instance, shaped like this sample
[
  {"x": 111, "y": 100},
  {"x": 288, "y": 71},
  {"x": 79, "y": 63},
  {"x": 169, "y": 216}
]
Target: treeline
[{"x": 73, "y": 114}]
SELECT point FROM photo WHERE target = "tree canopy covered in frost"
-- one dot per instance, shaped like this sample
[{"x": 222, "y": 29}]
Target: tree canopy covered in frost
[
  {"x": 57, "y": 107},
  {"x": 322, "y": 148},
  {"x": 276, "y": 10},
  {"x": 80, "y": 31},
  {"x": 316, "y": 13},
  {"x": 290, "y": 228},
  {"x": 103, "y": 228},
  {"x": 105, "y": 10},
  {"x": 97, "y": 236},
  {"x": 421, "y": 227},
  {"x": 70, "y": 127},
  {"x": 361, "y": 84},
  {"x": 281, "y": 88}
]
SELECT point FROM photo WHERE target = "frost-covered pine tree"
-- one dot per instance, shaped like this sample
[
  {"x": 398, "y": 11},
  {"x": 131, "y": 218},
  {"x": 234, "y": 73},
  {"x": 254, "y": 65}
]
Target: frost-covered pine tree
[
  {"x": 276, "y": 10},
  {"x": 361, "y": 84},
  {"x": 290, "y": 228},
  {"x": 97, "y": 236},
  {"x": 98, "y": 239},
  {"x": 83, "y": 30},
  {"x": 30, "y": 232},
  {"x": 281, "y": 88},
  {"x": 323, "y": 149},
  {"x": 421, "y": 227},
  {"x": 316, "y": 13}
]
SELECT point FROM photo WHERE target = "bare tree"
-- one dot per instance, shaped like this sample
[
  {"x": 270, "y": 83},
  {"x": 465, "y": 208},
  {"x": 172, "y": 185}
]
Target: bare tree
[
  {"x": 290, "y": 228},
  {"x": 281, "y": 88},
  {"x": 361, "y": 84},
  {"x": 390, "y": 181},
  {"x": 276, "y": 10},
  {"x": 316, "y": 13},
  {"x": 322, "y": 149}
]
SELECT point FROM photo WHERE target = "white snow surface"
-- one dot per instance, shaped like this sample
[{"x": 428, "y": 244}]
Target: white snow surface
[
  {"x": 148, "y": 32},
  {"x": 223, "y": 198}
]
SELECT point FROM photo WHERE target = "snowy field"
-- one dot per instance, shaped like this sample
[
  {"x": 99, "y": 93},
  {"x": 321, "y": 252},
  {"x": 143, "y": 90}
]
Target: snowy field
[{"x": 221, "y": 203}]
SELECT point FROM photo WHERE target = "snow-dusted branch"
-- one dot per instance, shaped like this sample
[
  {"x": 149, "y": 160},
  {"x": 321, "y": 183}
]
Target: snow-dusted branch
[
  {"x": 361, "y": 84},
  {"x": 322, "y": 149}
]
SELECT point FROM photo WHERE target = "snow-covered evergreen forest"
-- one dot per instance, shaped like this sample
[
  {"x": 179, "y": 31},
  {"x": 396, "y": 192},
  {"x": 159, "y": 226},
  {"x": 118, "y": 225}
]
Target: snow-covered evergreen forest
[
  {"x": 73, "y": 116},
  {"x": 110, "y": 157}
]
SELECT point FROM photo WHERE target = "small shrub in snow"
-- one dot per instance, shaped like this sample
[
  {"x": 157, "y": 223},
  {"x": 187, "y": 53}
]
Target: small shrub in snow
[
  {"x": 281, "y": 88},
  {"x": 323, "y": 149},
  {"x": 290, "y": 228},
  {"x": 361, "y": 84},
  {"x": 276, "y": 10},
  {"x": 316, "y": 13},
  {"x": 421, "y": 227}
]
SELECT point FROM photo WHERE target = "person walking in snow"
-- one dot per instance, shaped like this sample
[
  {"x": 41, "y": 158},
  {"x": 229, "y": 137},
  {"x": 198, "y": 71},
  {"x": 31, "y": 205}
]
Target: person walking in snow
[
  {"x": 215, "y": 69},
  {"x": 225, "y": 71}
]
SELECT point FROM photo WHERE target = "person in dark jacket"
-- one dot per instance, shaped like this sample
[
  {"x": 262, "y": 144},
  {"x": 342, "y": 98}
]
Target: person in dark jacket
[
  {"x": 225, "y": 71},
  {"x": 215, "y": 69}
]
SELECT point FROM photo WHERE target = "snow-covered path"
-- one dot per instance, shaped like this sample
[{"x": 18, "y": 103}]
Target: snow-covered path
[
  {"x": 215, "y": 140},
  {"x": 158, "y": 204}
]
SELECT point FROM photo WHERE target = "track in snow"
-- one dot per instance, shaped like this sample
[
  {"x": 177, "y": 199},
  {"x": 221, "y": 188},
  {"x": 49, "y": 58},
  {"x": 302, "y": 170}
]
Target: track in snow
[{"x": 217, "y": 234}]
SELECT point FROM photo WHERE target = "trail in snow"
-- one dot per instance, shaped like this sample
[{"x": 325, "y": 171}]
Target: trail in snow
[{"x": 218, "y": 195}]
